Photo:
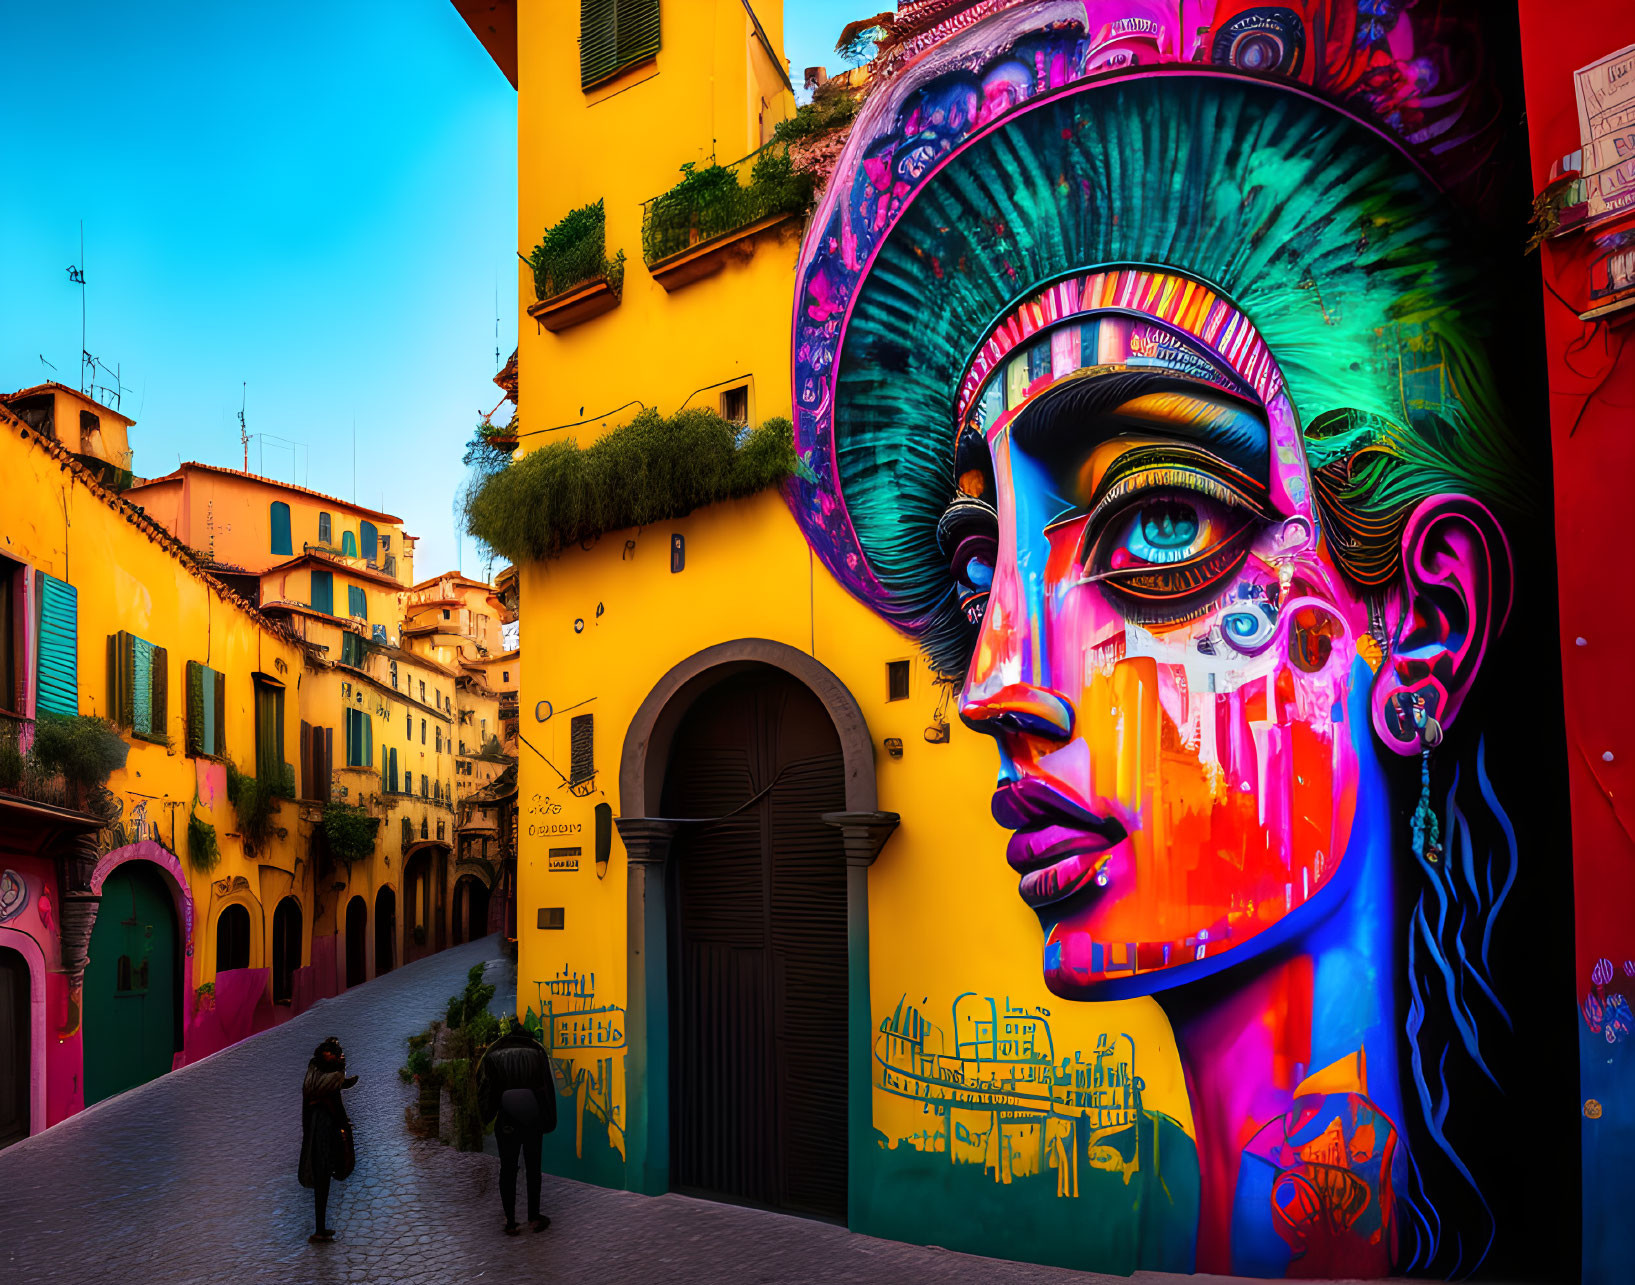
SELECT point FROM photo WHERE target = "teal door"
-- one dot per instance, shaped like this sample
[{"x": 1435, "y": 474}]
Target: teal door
[{"x": 130, "y": 984}]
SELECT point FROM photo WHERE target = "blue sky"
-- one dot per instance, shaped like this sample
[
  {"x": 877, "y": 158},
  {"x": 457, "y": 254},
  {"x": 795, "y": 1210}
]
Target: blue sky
[{"x": 316, "y": 199}]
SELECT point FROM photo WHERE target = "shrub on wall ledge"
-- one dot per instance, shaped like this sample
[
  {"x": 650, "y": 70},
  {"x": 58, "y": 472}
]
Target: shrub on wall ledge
[
  {"x": 713, "y": 201},
  {"x": 651, "y": 470},
  {"x": 573, "y": 252},
  {"x": 255, "y": 799},
  {"x": 86, "y": 751},
  {"x": 349, "y": 832},
  {"x": 203, "y": 852}
]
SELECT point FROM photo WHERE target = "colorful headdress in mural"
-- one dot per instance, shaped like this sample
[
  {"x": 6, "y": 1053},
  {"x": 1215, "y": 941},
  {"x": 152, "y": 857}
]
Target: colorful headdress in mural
[{"x": 1252, "y": 195}]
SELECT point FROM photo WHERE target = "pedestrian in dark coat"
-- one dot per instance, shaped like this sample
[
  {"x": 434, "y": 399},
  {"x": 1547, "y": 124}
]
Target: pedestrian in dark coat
[
  {"x": 327, "y": 1149},
  {"x": 517, "y": 1091}
]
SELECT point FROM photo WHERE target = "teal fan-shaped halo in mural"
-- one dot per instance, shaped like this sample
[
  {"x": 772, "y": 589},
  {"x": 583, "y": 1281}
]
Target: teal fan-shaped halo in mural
[{"x": 1319, "y": 228}]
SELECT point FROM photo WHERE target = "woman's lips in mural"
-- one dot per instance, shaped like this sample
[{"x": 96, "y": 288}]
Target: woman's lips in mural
[{"x": 1058, "y": 846}]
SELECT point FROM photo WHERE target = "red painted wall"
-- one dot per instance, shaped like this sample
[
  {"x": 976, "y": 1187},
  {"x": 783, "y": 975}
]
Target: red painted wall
[{"x": 1592, "y": 424}]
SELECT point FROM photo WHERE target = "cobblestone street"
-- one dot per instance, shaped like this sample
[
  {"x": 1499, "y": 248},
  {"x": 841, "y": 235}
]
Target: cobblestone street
[{"x": 192, "y": 1178}]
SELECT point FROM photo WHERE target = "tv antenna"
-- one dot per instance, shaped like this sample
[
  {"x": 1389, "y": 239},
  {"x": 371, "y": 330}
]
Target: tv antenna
[
  {"x": 76, "y": 274},
  {"x": 243, "y": 433}
]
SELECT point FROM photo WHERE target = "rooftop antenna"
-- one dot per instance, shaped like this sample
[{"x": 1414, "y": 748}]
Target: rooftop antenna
[
  {"x": 45, "y": 363},
  {"x": 496, "y": 320},
  {"x": 354, "y": 457},
  {"x": 243, "y": 433},
  {"x": 76, "y": 274}
]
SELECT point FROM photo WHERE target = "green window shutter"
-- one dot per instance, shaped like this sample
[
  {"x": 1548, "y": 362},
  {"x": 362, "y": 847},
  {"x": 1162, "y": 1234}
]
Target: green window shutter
[
  {"x": 215, "y": 722},
  {"x": 196, "y": 738},
  {"x": 308, "y": 775},
  {"x": 356, "y": 603},
  {"x": 349, "y": 544},
  {"x": 369, "y": 538},
  {"x": 141, "y": 685},
  {"x": 160, "y": 702},
  {"x": 279, "y": 514},
  {"x": 638, "y": 30},
  {"x": 57, "y": 671},
  {"x": 598, "y": 40},
  {"x": 323, "y": 592},
  {"x": 368, "y": 740}
]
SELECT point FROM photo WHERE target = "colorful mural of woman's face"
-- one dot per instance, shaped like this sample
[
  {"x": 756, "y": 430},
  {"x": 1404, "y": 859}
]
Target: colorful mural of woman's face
[{"x": 1186, "y": 691}]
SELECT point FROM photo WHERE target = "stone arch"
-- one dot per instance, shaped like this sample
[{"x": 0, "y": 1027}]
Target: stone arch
[
  {"x": 170, "y": 863},
  {"x": 34, "y": 958},
  {"x": 647, "y": 835}
]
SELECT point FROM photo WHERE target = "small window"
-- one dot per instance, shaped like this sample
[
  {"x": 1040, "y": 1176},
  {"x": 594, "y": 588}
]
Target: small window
[
  {"x": 385, "y": 542},
  {"x": 206, "y": 710},
  {"x": 896, "y": 680},
  {"x": 353, "y": 651},
  {"x": 139, "y": 685},
  {"x": 422, "y": 690},
  {"x": 422, "y": 731},
  {"x": 233, "y": 939},
  {"x": 323, "y": 529},
  {"x": 357, "y": 605},
  {"x": 370, "y": 538},
  {"x": 439, "y": 740},
  {"x": 408, "y": 782},
  {"x": 735, "y": 405},
  {"x": 323, "y": 592},
  {"x": 279, "y": 515},
  {"x": 360, "y": 739},
  {"x": 11, "y": 615},
  {"x": 582, "y": 748},
  {"x": 445, "y": 613},
  {"x": 269, "y": 732},
  {"x": 505, "y": 675},
  {"x": 88, "y": 423},
  {"x": 394, "y": 675},
  {"x": 613, "y": 35}
]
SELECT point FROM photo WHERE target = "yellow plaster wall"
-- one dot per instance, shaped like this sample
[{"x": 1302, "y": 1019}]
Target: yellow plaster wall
[
  {"x": 624, "y": 143},
  {"x": 944, "y": 915},
  {"x": 129, "y": 581}
]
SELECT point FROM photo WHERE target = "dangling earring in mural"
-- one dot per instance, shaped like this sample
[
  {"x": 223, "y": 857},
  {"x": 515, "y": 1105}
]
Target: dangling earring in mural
[{"x": 1426, "y": 826}]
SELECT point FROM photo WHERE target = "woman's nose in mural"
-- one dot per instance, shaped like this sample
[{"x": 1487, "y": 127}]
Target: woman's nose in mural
[{"x": 1017, "y": 709}]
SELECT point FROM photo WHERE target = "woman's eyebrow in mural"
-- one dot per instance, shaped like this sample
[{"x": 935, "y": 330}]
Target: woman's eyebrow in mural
[{"x": 1082, "y": 412}]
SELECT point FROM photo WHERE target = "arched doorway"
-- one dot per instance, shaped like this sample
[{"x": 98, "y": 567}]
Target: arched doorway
[
  {"x": 357, "y": 941},
  {"x": 232, "y": 938},
  {"x": 758, "y": 961},
  {"x": 16, "y": 1047},
  {"x": 385, "y": 931},
  {"x": 470, "y": 909},
  {"x": 286, "y": 951},
  {"x": 132, "y": 996}
]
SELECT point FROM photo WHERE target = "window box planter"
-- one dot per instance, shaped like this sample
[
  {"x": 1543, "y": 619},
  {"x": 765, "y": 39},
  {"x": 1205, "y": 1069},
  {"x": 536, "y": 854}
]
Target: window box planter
[
  {"x": 581, "y": 303},
  {"x": 574, "y": 279},
  {"x": 704, "y": 258}
]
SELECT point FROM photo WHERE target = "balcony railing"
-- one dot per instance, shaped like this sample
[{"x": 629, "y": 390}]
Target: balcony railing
[{"x": 712, "y": 203}]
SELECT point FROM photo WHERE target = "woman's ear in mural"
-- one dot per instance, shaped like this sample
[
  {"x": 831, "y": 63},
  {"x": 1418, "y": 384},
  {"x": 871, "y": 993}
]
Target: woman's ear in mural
[{"x": 1454, "y": 600}]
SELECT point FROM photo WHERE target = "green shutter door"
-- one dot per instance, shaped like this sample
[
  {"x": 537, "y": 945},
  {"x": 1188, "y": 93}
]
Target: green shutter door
[
  {"x": 280, "y": 514},
  {"x": 58, "y": 688},
  {"x": 323, "y": 592},
  {"x": 370, "y": 539},
  {"x": 130, "y": 984}
]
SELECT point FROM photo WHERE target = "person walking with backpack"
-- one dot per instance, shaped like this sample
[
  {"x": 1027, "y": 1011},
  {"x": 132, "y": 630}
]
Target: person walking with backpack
[
  {"x": 327, "y": 1148},
  {"x": 516, "y": 1090}
]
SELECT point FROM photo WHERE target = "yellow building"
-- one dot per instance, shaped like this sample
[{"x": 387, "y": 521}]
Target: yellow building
[
  {"x": 701, "y": 695},
  {"x": 154, "y": 917}
]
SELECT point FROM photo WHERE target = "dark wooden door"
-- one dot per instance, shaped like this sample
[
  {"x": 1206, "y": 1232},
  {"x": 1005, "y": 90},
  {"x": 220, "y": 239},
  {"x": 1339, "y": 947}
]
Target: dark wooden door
[
  {"x": 385, "y": 930},
  {"x": 758, "y": 949},
  {"x": 15, "y": 1062},
  {"x": 357, "y": 941},
  {"x": 286, "y": 949}
]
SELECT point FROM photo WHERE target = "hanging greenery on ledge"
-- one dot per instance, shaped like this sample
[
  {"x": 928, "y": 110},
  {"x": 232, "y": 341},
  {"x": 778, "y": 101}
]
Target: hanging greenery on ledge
[
  {"x": 255, "y": 799},
  {"x": 714, "y": 201},
  {"x": 203, "y": 852},
  {"x": 573, "y": 253},
  {"x": 818, "y": 117},
  {"x": 650, "y": 470},
  {"x": 349, "y": 832}
]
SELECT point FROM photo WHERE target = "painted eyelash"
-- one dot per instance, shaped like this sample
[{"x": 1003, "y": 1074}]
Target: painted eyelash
[{"x": 1170, "y": 476}]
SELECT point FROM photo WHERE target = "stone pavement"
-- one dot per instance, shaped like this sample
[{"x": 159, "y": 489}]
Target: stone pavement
[{"x": 191, "y": 1178}]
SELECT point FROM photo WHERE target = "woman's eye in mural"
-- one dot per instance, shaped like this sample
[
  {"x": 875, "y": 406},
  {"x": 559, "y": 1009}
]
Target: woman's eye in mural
[
  {"x": 1163, "y": 531},
  {"x": 1166, "y": 553}
]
